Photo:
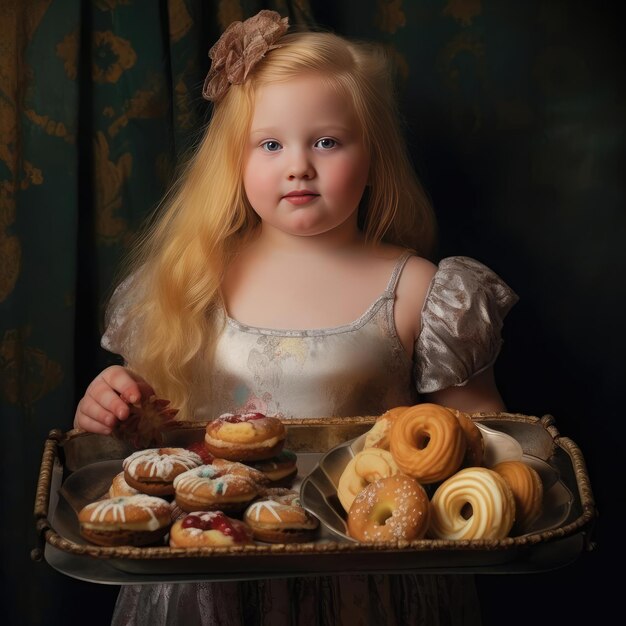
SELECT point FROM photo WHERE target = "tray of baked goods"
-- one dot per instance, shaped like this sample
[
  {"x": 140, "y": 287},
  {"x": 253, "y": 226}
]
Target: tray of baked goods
[{"x": 422, "y": 489}]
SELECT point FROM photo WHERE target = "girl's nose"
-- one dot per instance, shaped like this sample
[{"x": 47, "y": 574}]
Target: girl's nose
[{"x": 300, "y": 166}]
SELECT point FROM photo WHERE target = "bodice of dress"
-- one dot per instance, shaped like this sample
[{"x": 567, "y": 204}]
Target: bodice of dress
[{"x": 356, "y": 369}]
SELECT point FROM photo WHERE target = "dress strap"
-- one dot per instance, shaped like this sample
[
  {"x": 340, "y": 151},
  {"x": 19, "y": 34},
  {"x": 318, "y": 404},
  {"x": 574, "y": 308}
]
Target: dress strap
[{"x": 397, "y": 270}]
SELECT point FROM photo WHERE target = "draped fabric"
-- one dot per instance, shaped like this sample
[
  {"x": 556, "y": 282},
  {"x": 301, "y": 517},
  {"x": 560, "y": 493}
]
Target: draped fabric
[{"x": 514, "y": 115}]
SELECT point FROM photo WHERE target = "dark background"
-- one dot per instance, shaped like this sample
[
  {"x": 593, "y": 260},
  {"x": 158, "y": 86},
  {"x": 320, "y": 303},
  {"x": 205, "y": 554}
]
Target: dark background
[{"x": 515, "y": 117}]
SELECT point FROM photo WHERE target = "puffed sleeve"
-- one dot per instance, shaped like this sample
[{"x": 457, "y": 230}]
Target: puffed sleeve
[
  {"x": 120, "y": 327},
  {"x": 462, "y": 321}
]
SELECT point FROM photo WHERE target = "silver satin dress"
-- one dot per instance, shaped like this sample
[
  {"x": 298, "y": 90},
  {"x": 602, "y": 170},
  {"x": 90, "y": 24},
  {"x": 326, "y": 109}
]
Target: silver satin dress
[{"x": 356, "y": 369}]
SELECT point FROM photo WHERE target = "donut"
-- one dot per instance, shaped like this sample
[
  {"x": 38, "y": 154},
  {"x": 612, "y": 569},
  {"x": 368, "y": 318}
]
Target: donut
[
  {"x": 247, "y": 437},
  {"x": 241, "y": 469},
  {"x": 427, "y": 443},
  {"x": 278, "y": 517},
  {"x": 527, "y": 488},
  {"x": 475, "y": 450},
  {"x": 209, "y": 488},
  {"x": 152, "y": 471},
  {"x": 474, "y": 503},
  {"x": 391, "y": 509},
  {"x": 378, "y": 435},
  {"x": 209, "y": 528},
  {"x": 138, "y": 520},
  {"x": 119, "y": 487},
  {"x": 280, "y": 470},
  {"x": 364, "y": 468}
]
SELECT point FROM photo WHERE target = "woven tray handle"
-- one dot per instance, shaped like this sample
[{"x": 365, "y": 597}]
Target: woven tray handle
[{"x": 42, "y": 524}]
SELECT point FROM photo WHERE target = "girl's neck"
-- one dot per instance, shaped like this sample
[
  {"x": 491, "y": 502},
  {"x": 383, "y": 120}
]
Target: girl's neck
[{"x": 338, "y": 241}]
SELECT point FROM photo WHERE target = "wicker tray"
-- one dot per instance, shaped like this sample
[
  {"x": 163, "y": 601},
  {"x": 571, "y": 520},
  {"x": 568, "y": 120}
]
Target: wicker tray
[{"x": 76, "y": 466}]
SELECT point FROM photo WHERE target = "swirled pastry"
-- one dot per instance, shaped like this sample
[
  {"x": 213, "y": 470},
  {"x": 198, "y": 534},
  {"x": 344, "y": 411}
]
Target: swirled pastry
[
  {"x": 527, "y": 488},
  {"x": 474, "y": 503},
  {"x": 364, "y": 468},
  {"x": 427, "y": 443}
]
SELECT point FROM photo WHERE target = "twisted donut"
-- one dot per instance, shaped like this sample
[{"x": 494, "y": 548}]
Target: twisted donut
[
  {"x": 364, "y": 468},
  {"x": 427, "y": 443},
  {"x": 527, "y": 488},
  {"x": 489, "y": 500},
  {"x": 378, "y": 435},
  {"x": 475, "y": 451}
]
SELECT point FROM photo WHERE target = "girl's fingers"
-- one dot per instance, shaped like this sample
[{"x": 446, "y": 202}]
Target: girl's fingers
[
  {"x": 91, "y": 425},
  {"x": 129, "y": 386},
  {"x": 89, "y": 414}
]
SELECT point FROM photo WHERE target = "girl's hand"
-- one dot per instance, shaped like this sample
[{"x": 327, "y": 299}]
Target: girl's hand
[{"x": 107, "y": 398}]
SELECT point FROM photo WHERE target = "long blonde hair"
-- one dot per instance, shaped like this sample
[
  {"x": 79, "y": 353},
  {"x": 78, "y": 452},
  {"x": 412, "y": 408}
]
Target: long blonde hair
[{"x": 182, "y": 257}]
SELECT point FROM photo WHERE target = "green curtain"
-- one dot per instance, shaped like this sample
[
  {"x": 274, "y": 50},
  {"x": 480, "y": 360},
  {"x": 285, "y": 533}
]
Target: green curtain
[{"x": 514, "y": 115}]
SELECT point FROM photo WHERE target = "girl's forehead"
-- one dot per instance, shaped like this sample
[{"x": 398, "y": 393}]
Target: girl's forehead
[{"x": 308, "y": 98}]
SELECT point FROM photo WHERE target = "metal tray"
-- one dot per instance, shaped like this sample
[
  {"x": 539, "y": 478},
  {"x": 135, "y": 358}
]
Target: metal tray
[{"x": 76, "y": 466}]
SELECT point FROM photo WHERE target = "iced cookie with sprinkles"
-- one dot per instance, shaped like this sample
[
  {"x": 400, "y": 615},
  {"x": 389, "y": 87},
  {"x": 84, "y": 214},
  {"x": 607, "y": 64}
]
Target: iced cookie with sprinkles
[
  {"x": 153, "y": 471},
  {"x": 138, "y": 520},
  {"x": 210, "y": 488},
  {"x": 278, "y": 517}
]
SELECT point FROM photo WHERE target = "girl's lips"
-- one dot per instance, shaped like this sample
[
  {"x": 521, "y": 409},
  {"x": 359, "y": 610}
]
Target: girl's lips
[{"x": 300, "y": 197}]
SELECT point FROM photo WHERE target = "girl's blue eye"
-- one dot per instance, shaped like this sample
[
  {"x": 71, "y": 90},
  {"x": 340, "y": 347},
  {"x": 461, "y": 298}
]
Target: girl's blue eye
[
  {"x": 271, "y": 146},
  {"x": 326, "y": 143}
]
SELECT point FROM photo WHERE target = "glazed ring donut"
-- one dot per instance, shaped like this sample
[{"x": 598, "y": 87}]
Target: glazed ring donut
[
  {"x": 152, "y": 471},
  {"x": 378, "y": 435},
  {"x": 119, "y": 487},
  {"x": 391, "y": 509},
  {"x": 474, "y": 503},
  {"x": 200, "y": 529},
  {"x": 475, "y": 451},
  {"x": 527, "y": 488},
  {"x": 247, "y": 437},
  {"x": 364, "y": 468},
  {"x": 281, "y": 470},
  {"x": 208, "y": 488},
  {"x": 138, "y": 520},
  {"x": 427, "y": 443},
  {"x": 278, "y": 517}
]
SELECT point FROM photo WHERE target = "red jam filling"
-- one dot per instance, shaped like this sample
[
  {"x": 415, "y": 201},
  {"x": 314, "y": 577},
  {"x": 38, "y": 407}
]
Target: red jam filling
[
  {"x": 216, "y": 521},
  {"x": 246, "y": 417}
]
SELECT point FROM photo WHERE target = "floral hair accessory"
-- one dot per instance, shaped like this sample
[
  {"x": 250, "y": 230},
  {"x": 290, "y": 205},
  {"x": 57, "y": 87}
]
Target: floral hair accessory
[{"x": 241, "y": 46}]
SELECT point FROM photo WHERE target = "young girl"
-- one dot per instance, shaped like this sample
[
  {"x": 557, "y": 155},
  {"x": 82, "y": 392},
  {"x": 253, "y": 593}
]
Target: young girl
[{"x": 288, "y": 274}]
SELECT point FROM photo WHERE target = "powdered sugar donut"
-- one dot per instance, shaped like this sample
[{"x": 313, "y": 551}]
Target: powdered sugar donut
[
  {"x": 390, "y": 509},
  {"x": 152, "y": 471},
  {"x": 246, "y": 437}
]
